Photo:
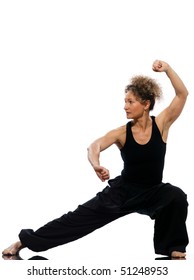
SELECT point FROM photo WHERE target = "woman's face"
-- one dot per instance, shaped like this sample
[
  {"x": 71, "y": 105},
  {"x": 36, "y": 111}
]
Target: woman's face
[{"x": 134, "y": 108}]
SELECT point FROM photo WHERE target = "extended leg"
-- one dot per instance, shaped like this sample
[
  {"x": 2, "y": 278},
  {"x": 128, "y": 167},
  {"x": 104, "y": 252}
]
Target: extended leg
[
  {"x": 88, "y": 217},
  {"x": 69, "y": 227}
]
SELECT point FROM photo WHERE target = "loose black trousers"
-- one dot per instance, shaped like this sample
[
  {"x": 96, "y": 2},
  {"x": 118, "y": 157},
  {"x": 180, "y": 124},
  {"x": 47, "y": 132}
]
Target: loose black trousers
[{"x": 164, "y": 203}]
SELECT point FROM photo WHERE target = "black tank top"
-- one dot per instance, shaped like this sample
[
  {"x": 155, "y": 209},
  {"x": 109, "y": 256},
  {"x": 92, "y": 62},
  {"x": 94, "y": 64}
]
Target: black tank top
[{"x": 144, "y": 164}]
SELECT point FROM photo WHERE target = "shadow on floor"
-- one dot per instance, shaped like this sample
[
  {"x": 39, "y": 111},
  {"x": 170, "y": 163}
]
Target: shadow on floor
[
  {"x": 169, "y": 258},
  {"x": 17, "y": 257}
]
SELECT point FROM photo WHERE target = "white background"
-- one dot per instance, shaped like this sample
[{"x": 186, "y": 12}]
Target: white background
[{"x": 63, "y": 69}]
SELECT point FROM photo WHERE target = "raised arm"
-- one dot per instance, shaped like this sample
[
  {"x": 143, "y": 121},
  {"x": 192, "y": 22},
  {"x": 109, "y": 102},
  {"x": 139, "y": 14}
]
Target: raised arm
[{"x": 172, "y": 112}]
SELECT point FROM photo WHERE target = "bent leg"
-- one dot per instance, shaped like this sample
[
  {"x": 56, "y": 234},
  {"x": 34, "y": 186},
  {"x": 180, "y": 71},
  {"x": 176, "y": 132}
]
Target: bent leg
[{"x": 170, "y": 237}]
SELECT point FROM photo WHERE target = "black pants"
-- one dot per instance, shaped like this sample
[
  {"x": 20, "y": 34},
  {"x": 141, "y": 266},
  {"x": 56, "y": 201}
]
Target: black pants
[{"x": 164, "y": 203}]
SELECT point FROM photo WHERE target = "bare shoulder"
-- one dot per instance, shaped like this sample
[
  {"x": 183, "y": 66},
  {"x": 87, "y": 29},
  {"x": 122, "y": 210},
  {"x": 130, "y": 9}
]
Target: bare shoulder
[{"x": 120, "y": 136}]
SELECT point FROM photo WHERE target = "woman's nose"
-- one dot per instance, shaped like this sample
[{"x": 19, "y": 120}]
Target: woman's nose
[{"x": 125, "y": 106}]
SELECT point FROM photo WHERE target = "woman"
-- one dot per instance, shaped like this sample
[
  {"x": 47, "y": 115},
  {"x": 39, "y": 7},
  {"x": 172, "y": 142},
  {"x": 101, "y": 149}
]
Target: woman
[{"x": 139, "y": 188}]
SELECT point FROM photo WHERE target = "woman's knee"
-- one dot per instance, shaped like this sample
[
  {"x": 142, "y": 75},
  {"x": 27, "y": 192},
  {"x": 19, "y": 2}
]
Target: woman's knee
[{"x": 179, "y": 196}]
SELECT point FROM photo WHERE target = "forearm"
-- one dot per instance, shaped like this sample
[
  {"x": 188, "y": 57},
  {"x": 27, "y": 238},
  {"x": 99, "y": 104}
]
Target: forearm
[
  {"x": 93, "y": 157},
  {"x": 94, "y": 154},
  {"x": 177, "y": 83}
]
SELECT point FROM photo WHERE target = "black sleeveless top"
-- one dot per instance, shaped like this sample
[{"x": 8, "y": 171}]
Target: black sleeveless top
[{"x": 143, "y": 164}]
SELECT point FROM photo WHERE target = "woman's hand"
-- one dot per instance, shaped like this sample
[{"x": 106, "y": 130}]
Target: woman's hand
[
  {"x": 160, "y": 66},
  {"x": 102, "y": 173}
]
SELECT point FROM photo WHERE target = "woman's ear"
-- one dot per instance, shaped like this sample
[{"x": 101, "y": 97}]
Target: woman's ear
[{"x": 147, "y": 104}]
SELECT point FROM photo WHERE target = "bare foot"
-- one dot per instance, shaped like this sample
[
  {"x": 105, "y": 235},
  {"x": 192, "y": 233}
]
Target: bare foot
[
  {"x": 11, "y": 257},
  {"x": 13, "y": 249},
  {"x": 178, "y": 255}
]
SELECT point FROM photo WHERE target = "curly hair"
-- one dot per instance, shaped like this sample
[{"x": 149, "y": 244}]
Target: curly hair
[{"x": 145, "y": 88}]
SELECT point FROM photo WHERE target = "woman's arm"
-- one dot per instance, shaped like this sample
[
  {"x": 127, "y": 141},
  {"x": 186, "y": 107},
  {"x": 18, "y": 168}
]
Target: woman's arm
[
  {"x": 101, "y": 144},
  {"x": 172, "y": 112}
]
